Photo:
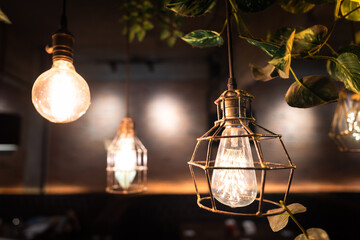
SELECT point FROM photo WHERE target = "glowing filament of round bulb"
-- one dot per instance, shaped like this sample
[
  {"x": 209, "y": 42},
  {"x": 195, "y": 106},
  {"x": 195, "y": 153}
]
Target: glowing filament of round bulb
[
  {"x": 125, "y": 162},
  {"x": 234, "y": 187},
  {"x": 60, "y": 94}
]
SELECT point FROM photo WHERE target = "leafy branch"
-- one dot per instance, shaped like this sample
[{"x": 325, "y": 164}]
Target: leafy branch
[
  {"x": 285, "y": 44},
  {"x": 278, "y": 222},
  {"x": 138, "y": 17}
]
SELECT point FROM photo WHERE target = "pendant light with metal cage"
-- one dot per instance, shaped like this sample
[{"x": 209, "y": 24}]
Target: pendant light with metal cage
[
  {"x": 126, "y": 155},
  {"x": 229, "y": 162}
]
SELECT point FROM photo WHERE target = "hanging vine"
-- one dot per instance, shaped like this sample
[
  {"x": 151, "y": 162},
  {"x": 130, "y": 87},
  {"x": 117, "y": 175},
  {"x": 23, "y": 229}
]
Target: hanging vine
[
  {"x": 286, "y": 44},
  {"x": 139, "y": 16}
]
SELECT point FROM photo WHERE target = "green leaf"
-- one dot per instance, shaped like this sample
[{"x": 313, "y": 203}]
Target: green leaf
[
  {"x": 282, "y": 34},
  {"x": 4, "y": 18},
  {"x": 165, "y": 33},
  {"x": 279, "y": 221},
  {"x": 171, "y": 41},
  {"x": 350, "y": 5},
  {"x": 203, "y": 38},
  {"x": 147, "y": 5},
  {"x": 296, "y": 6},
  {"x": 282, "y": 58},
  {"x": 346, "y": 69},
  {"x": 269, "y": 48},
  {"x": 191, "y": 8},
  {"x": 313, "y": 91},
  {"x": 135, "y": 28},
  {"x": 307, "y": 39},
  {"x": 131, "y": 36},
  {"x": 253, "y": 5},
  {"x": 304, "y": 39},
  {"x": 314, "y": 234},
  {"x": 263, "y": 74},
  {"x": 141, "y": 34},
  {"x": 178, "y": 33},
  {"x": 147, "y": 25}
]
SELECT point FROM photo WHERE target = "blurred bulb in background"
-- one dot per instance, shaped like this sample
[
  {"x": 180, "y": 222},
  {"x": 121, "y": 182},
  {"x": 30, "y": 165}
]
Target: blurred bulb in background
[
  {"x": 234, "y": 188},
  {"x": 60, "y": 94},
  {"x": 353, "y": 120},
  {"x": 125, "y": 161}
]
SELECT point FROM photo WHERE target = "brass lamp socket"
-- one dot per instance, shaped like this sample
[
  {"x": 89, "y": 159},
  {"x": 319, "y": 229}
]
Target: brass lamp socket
[
  {"x": 233, "y": 104},
  {"x": 62, "y": 46},
  {"x": 355, "y": 97},
  {"x": 126, "y": 127}
]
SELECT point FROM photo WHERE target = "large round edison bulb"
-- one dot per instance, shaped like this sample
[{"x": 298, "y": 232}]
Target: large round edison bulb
[
  {"x": 125, "y": 161},
  {"x": 234, "y": 187},
  {"x": 60, "y": 94}
]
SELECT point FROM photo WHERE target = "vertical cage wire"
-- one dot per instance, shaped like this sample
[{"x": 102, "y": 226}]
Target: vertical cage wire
[
  {"x": 233, "y": 106},
  {"x": 345, "y": 126}
]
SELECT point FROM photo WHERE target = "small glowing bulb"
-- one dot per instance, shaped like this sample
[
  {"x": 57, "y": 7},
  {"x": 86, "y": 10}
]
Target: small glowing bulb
[
  {"x": 125, "y": 162},
  {"x": 234, "y": 188},
  {"x": 60, "y": 94},
  {"x": 353, "y": 120}
]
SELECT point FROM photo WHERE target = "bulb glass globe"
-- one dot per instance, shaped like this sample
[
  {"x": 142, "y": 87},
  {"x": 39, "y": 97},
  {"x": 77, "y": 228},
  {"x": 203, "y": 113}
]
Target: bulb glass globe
[
  {"x": 353, "y": 121},
  {"x": 125, "y": 161},
  {"x": 234, "y": 187},
  {"x": 60, "y": 94}
]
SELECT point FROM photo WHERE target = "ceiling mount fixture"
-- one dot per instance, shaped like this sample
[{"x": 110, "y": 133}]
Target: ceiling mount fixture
[
  {"x": 345, "y": 126},
  {"x": 126, "y": 155},
  {"x": 60, "y": 94},
  {"x": 229, "y": 159}
]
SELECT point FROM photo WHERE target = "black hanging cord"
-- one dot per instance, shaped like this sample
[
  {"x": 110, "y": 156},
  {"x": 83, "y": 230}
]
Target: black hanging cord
[
  {"x": 127, "y": 69},
  {"x": 231, "y": 81},
  {"x": 63, "y": 21}
]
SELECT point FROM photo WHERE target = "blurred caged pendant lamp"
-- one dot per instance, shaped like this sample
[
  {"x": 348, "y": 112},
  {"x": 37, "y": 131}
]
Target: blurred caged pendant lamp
[
  {"x": 60, "y": 94},
  {"x": 345, "y": 127},
  {"x": 126, "y": 155},
  {"x": 229, "y": 159}
]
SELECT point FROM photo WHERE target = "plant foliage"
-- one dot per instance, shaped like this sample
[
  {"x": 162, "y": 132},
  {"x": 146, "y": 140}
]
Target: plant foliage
[
  {"x": 138, "y": 17},
  {"x": 287, "y": 43}
]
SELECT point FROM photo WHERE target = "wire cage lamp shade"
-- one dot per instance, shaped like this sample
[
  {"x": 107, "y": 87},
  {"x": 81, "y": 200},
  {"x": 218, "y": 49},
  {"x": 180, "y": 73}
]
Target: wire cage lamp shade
[
  {"x": 345, "y": 126},
  {"x": 126, "y": 161},
  {"x": 230, "y": 162}
]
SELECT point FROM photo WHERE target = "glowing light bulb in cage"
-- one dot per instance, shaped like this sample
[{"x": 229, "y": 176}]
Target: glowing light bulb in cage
[
  {"x": 235, "y": 188},
  {"x": 126, "y": 161},
  {"x": 345, "y": 126},
  {"x": 353, "y": 120},
  {"x": 231, "y": 174}
]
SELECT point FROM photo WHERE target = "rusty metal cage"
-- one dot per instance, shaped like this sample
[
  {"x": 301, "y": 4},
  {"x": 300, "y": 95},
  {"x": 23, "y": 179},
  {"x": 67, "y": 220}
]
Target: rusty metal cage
[
  {"x": 345, "y": 126},
  {"x": 234, "y": 107},
  {"x": 126, "y": 162}
]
